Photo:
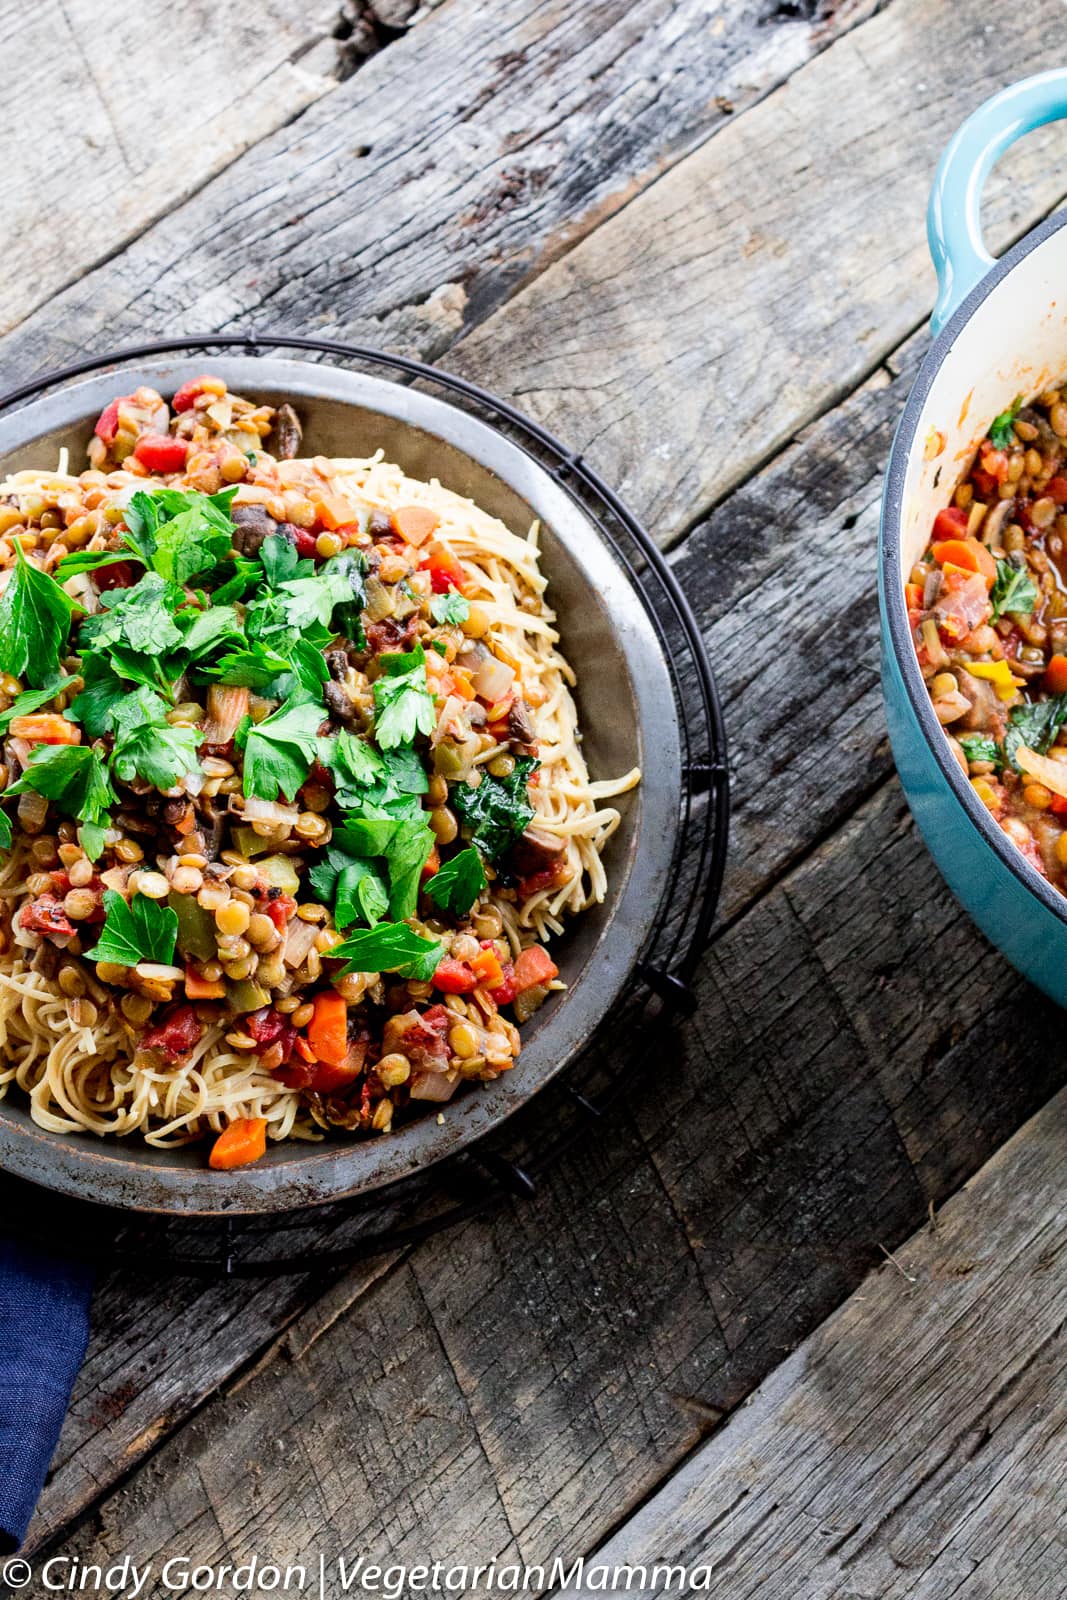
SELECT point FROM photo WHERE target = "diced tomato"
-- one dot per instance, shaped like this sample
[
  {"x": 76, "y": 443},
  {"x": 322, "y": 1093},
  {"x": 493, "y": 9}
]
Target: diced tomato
[
  {"x": 305, "y": 543},
  {"x": 984, "y": 482},
  {"x": 45, "y": 915},
  {"x": 445, "y": 571},
  {"x": 913, "y": 595},
  {"x": 107, "y": 423},
  {"x": 1058, "y": 805},
  {"x": 1056, "y": 489},
  {"x": 950, "y": 523},
  {"x": 176, "y": 1035},
  {"x": 432, "y": 864},
  {"x": 995, "y": 463},
  {"x": 505, "y": 991},
  {"x": 268, "y": 1027},
  {"x": 454, "y": 977},
  {"x": 421, "y": 1035},
  {"x": 534, "y": 965},
  {"x": 116, "y": 575},
  {"x": 161, "y": 453},
  {"x": 280, "y": 909},
  {"x": 186, "y": 395}
]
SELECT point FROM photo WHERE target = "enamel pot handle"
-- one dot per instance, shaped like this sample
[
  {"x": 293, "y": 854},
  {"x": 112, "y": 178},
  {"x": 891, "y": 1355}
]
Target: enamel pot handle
[{"x": 954, "y": 215}]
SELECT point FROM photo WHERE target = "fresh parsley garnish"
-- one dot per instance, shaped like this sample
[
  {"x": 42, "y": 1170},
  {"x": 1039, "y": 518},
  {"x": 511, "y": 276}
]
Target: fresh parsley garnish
[
  {"x": 5, "y": 830},
  {"x": 35, "y": 617},
  {"x": 391, "y": 947},
  {"x": 458, "y": 883},
  {"x": 143, "y": 930},
  {"x": 74, "y": 776},
  {"x": 279, "y": 560},
  {"x": 147, "y": 746},
  {"x": 452, "y": 608},
  {"x": 350, "y": 565},
  {"x": 405, "y": 844},
  {"x": 102, "y": 693},
  {"x": 355, "y": 888},
  {"x": 252, "y": 666},
  {"x": 1035, "y": 725},
  {"x": 139, "y": 620},
  {"x": 498, "y": 810},
  {"x": 180, "y": 534},
  {"x": 92, "y": 837},
  {"x": 278, "y": 752},
  {"x": 403, "y": 704},
  {"x": 1014, "y": 589},
  {"x": 1001, "y": 428},
  {"x": 980, "y": 747}
]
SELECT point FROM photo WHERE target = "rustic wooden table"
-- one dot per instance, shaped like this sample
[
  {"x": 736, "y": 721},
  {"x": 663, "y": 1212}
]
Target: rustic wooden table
[{"x": 688, "y": 236}]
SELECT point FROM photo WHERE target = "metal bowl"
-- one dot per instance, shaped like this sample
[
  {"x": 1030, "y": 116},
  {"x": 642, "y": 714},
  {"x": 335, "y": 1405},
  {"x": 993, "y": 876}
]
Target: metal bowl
[{"x": 627, "y": 710}]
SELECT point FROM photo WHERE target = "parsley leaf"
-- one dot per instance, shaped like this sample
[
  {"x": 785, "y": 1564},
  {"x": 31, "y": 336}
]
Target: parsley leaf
[
  {"x": 246, "y": 576},
  {"x": 391, "y": 947},
  {"x": 308, "y": 600},
  {"x": 146, "y": 746},
  {"x": 1014, "y": 589},
  {"x": 92, "y": 837},
  {"x": 280, "y": 750},
  {"x": 103, "y": 691},
  {"x": 5, "y": 831},
  {"x": 1001, "y": 428},
  {"x": 452, "y": 607},
  {"x": 1034, "y": 725},
  {"x": 458, "y": 883},
  {"x": 280, "y": 561},
  {"x": 403, "y": 705},
  {"x": 980, "y": 747},
  {"x": 255, "y": 666},
  {"x": 141, "y": 619},
  {"x": 180, "y": 534},
  {"x": 355, "y": 887},
  {"x": 206, "y": 631},
  {"x": 144, "y": 930},
  {"x": 35, "y": 617},
  {"x": 405, "y": 842},
  {"x": 499, "y": 809},
  {"x": 350, "y": 565},
  {"x": 73, "y": 775}
]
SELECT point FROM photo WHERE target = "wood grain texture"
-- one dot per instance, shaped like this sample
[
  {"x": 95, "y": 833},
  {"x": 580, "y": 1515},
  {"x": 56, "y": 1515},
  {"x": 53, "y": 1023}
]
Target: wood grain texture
[
  {"x": 533, "y": 123},
  {"x": 771, "y": 271},
  {"x": 140, "y": 108},
  {"x": 552, "y": 1364},
  {"x": 914, "y": 1446}
]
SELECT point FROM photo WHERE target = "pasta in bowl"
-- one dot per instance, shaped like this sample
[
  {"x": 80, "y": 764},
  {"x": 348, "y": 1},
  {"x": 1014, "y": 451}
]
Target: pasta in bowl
[{"x": 296, "y": 792}]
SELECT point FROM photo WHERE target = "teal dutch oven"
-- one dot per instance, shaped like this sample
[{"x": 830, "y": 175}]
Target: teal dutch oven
[{"x": 1001, "y": 331}]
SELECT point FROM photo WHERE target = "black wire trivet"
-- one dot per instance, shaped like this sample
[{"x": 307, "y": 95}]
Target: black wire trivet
[{"x": 512, "y": 1160}]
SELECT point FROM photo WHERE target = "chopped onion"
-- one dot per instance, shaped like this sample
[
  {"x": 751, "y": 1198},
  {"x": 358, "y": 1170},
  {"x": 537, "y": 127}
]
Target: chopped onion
[
  {"x": 434, "y": 1086},
  {"x": 452, "y": 707},
  {"x": 115, "y": 878},
  {"x": 492, "y": 679},
  {"x": 301, "y": 936},
  {"x": 1053, "y": 774},
  {"x": 256, "y": 810},
  {"x": 157, "y": 970},
  {"x": 225, "y": 708}
]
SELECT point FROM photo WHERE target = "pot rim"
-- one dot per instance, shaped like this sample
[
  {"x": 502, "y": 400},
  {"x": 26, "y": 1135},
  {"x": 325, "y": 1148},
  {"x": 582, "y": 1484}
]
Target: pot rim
[
  {"x": 97, "y": 1171},
  {"x": 894, "y": 609}
]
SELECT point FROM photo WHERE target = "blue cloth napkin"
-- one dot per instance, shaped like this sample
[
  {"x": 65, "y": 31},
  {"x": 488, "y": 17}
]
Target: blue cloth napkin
[{"x": 44, "y": 1328}]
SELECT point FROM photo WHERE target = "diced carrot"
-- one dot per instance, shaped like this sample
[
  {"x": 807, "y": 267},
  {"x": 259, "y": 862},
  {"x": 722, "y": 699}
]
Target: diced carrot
[
  {"x": 913, "y": 595},
  {"x": 415, "y": 523},
  {"x": 186, "y": 823},
  {"x": 432, "y": 864},
  {"x": 462, "y": 687},
  {"x": 333, "y": 1075},
  {"x": 334, "y": 512},
  {"x": 244, "y": 1141},
  {"x": 486, "y": 966},
  {"x": 1056, "y": 675},
  {"x": 969, "y": 555},
  {"x": 45, "y": 727},
  {"x": 198, "y": 988},
  {"x": 328, "y": 1028},
  {"x": 534, "y": 965}
]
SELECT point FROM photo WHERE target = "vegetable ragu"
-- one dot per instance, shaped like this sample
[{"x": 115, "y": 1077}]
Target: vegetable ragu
[
  {"x": 293, "y": 796},
  {"x": 987, "y": 605}
]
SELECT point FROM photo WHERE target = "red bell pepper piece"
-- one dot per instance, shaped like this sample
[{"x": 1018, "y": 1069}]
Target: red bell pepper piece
[{"x": 161, "y": 453}]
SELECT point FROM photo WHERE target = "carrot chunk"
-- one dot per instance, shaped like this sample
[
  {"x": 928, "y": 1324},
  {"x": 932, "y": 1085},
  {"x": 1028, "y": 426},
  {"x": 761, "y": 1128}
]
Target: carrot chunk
[
  {"x": 328, "y": 1028},
  {"x": 45, "y": 727},
  {"x": 534, "y": 965},
  {"x": 243, "y": 1142},
  {"x": 968, "y": 554},
  {"x": 415, "y": 523},
  {"x": 1056, "y": 675}
]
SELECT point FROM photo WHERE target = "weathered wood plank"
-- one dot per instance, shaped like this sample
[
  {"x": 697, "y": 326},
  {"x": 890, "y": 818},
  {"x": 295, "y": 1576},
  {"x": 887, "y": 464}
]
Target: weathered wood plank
[
  {"x": 589, "y": 1336},
  {"x": 130, "y": 113},
  {"x": 914, "y": 1445},
  {"x": 767, "y": 274},
  {"x": 404, "y": 227}
]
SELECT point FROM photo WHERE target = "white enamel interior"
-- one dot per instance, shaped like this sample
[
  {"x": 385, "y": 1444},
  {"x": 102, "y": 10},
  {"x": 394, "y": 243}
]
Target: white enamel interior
[{"x": 1014, "y": 343}]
